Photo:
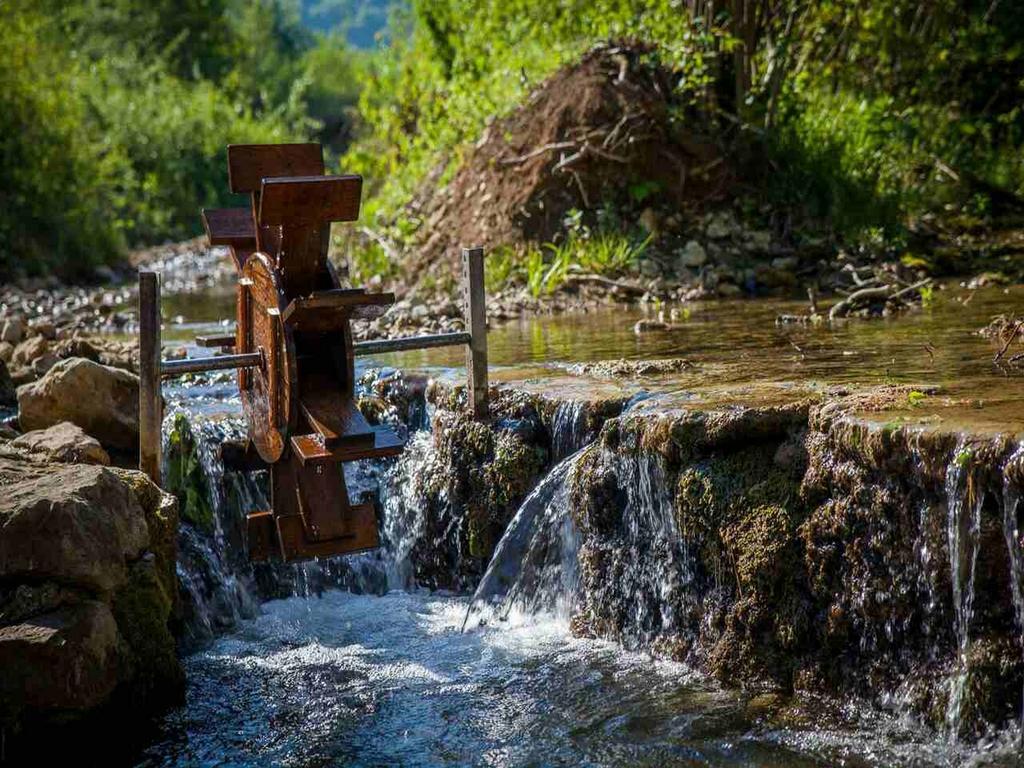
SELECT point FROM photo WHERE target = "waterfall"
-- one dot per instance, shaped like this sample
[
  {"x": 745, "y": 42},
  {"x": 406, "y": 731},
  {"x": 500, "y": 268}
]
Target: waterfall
[
  {"x": 569, "y": 431},
  {"x": 405, "y": 508},
  {"x": 657, "y": 570},
  {"x": 217, "y": 587},
  {"x": 535, "y": 566},
  {"x": 963, "y": 528}
]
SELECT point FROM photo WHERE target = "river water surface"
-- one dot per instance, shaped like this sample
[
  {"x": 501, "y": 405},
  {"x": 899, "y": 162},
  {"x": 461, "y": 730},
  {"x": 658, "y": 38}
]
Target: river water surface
[{"x": 362, "y": 680}]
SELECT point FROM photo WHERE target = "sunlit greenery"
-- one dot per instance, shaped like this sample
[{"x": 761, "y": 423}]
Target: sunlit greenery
[
  {"x": 114, "y": 114},
  {"x": 115, "y": 117}
]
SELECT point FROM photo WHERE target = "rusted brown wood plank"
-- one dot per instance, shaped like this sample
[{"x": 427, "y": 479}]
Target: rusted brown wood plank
[
  {"x": 304, "y": 201},
  {"x": 335, "y": 418},
  {"x": 310, "y": 449},
  {"x": 230, "y": 226}
]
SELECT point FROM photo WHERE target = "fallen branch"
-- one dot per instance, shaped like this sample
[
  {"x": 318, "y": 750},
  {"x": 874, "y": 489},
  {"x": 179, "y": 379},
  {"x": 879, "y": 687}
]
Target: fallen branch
[
  {"x": 388, "y": 248},
  {"x": 842, "y": 309}
]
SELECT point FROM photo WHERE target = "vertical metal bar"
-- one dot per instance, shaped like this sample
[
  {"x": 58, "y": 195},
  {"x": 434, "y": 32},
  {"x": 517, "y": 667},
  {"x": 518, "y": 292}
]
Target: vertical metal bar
[
  {"x": 150, "y": 411},
  {"x": 476, "y": 324}
]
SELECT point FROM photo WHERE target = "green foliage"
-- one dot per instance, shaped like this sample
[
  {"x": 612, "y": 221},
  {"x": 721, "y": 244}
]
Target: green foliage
[
  {"x": 543, "y": 270},
  {"x": 870, "y": 113},
  {"x": 115, "y": 117}
]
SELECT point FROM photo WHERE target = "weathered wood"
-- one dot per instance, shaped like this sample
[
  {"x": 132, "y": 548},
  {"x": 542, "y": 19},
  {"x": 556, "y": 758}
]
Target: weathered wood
[
  {"x": 476, "y": 325},
  {"x": 208, "y": 342},
  {"x": 261, "y": 533},
  {"x": 230, "y": 226},
  {"x": 250, "y": 164},
  {"x": 267, "y": 400},
  {"x": 325, "y": 311},
  {"x": 150, "y": 400},
  {"x": 323, "y": 502},
  {"x": 401, "y": 344},
  {"x": 335, "y": 417},
  {"x": 295, "y": 545},
  {"x": 309, "y": 200},
  {"x": 311, "y": 449},
  {"x": 170, "y": 368}
]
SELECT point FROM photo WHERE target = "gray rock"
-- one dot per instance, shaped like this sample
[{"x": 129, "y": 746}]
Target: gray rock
[
  {"x": 29, "y": 350},
  {"x": 71, "y": 523},
  {"x": 13, "y": 330},
  {"x": 785, "y": 263},
  {"x": 44, "y": 363},
  {"x": 759, "y": 240},
  {"x": 729, "y": 290},
  {"x": 650, "y": 221},
  {"x": 64, "y": 442},
  {"x": 650, "y": 268},
  {"x": 42, "y": 326},
  {"x": 64, "y": 660},
  {"x": 720, "y": 225},
  {"x": 101, "y": 400},
  {"x": 693, "y": 255}
]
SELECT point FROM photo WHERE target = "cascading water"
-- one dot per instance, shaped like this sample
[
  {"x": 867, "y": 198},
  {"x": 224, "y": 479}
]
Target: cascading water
[
  {"x": 535, "y": 565},
  {"x": 569, "y": 429},
  {"x": 217, "y": 586},
  {"x": 404, "y": 523},
  {"x": 963, "y": 528}
]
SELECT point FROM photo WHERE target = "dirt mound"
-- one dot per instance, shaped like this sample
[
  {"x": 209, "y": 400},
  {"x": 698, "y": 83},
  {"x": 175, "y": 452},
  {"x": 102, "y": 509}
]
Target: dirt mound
[{"x": 599, "y": 132}]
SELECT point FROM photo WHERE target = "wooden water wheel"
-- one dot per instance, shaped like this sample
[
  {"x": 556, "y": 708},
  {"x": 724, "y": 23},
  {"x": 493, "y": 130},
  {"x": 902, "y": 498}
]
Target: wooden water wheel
[{"x": 299, "y": 399}]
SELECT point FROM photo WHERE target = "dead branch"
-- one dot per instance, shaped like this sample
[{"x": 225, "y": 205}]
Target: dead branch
[{"x": 552, "y": 147}]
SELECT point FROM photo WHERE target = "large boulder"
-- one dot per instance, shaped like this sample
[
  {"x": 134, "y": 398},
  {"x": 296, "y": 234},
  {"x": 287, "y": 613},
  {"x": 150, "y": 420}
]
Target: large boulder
[
  {"x": 87, "y": 591},
  {"x": 61, "y": 661},
  {"x": 65, "y": 442},
  {"x": 68, "y": 523},
  {"x": 103, "y": 401}
]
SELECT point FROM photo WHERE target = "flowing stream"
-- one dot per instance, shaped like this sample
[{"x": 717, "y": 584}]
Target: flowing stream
[{"x": 352, "y": 661}]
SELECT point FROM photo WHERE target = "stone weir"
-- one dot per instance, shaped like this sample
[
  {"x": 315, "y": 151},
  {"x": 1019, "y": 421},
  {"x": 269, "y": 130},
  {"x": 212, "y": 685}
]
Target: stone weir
[{"x": 809, "y": 547}]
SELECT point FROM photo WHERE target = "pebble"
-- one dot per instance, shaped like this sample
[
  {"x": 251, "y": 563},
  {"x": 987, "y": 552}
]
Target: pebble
[{"x": 693, "y": 255}]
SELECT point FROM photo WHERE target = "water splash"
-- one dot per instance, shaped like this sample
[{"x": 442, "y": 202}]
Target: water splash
[
  {"x": 535, "y": 565},
  {"x": 963, "y": 528},
  {"x": 405, "y": 508},
  {"x": 657, "y": 568}
]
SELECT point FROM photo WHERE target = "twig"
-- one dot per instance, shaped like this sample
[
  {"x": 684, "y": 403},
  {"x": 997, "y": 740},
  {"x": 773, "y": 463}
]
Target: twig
[
  {"x": 583, "y": 191},
  {"x": 1009, "y": 341},
  {"x": 537, "y": 152},
  {"x": 864, "y": 294},
  {"x": 910, "y": 289}
]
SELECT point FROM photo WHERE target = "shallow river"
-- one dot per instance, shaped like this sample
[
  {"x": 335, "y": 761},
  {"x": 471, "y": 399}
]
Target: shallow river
[{"x": 362, "y": 680}]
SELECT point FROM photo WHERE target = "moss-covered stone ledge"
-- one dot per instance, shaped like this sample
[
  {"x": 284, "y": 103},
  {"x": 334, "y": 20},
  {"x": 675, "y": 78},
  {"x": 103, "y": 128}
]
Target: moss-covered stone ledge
[{"x": 808, "y": 548}]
